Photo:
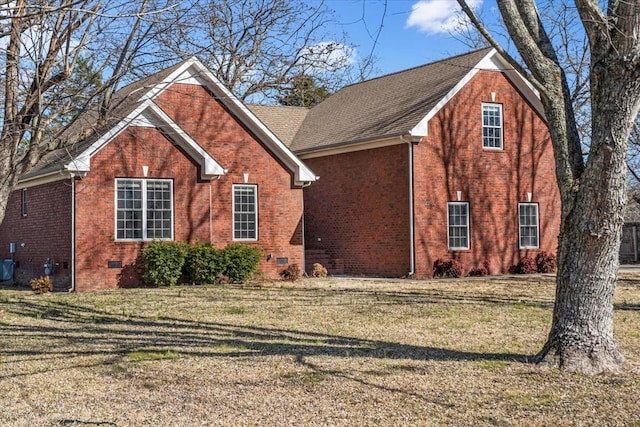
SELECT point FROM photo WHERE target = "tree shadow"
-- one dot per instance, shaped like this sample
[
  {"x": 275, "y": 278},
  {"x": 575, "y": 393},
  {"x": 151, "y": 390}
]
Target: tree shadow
[{"x": 81, "y": 331}]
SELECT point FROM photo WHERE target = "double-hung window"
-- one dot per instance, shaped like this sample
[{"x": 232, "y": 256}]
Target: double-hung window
[
  {"x": 245, "y": 212},
  {"x": 458, "y": 225},
  {"x": 144, "y": 209},
  {"x": 528, "y": 225},
  {"x": 492, "y": 126}
]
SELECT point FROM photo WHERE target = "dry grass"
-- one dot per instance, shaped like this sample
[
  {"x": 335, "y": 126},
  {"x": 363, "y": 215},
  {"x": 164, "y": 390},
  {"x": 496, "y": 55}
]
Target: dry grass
[{"x": 317, "y": 352}]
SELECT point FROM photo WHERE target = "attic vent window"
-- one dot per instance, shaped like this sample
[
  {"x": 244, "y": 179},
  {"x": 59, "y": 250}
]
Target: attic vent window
[
  {"x": 492, "y": 126},
  {"x": 24, "y": 202},
  {"x": 144, "y": 209}
]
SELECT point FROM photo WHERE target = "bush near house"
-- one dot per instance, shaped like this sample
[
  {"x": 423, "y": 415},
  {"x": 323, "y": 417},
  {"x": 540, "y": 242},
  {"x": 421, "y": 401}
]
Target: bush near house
[
  {"x": 240, "y": 262},
  {"x": 164, "y": 263},
  {"x": 526, "y": 265},
  {"x": 546, "y": 262},
  {"x": 319, "y": 270},
  {"x": 41, "y": 285},
  {"x": 447, "y": 268},
  {"x": 483, "y": 270},
  {"x": 204, "y": 264},
  {"x": 291, "y": 273}
]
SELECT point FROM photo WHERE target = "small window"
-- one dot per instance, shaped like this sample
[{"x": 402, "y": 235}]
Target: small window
[
  {"x": 144, "y": 209},
  {"x": 24, "y": 202},
  {"x": 492, "y": 126},
  {"x": 245, "y": 212},
  {"x": 458, "y": 225},
  {"x": 528, "y": 224}
]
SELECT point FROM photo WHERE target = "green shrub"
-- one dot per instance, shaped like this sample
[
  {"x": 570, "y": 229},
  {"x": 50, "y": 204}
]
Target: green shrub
[
  {"x": 319, "y": 270},
  {"x": 204, "y": 264},
  {"x": 546, "y": 262},
  {"x": 41, "y": 285},
  {"x": 240, "y": 262},
  {"x": 447, "y": 268},
  {"x": 163, "y": 262},
  {"x": 292, "y": 273}
]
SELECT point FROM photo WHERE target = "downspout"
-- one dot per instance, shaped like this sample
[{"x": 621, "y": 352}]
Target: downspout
[
  {"x": 412, "y": 248},
  {"x": 304, "y": 243},
  {"x": 72, "y": 288}
]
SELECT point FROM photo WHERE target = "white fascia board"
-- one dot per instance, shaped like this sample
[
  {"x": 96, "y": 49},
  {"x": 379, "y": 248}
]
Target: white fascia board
[
  {"x": 491, "y": 62},
  {"x": 82, "y": 162},
  {"x": 149, "y": 114},
  {"x": 210, "y": 167},
  {"x": 194, "y": 72},
  {"x": 523, "y": 85}
]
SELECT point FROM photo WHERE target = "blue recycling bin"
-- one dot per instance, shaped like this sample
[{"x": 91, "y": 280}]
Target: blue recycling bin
[{"x": 7, "y": 270}]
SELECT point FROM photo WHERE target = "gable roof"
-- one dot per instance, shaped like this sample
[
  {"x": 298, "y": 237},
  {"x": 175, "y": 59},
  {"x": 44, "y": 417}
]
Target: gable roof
[
  {"x": 284, "y": 121},
  {"x": 398, "y": 104},
  {"x": 133, "y": 105}
]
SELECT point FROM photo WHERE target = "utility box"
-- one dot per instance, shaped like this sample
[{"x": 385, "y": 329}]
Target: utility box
[{"x": 7, "y": 270}]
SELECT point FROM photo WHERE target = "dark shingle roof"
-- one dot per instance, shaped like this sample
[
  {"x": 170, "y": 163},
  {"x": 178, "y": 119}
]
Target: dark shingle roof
[
  {"x": 284, "y": 121},
  {"x": 86, "y": 129},
  {"x": 386, "y": 106}
]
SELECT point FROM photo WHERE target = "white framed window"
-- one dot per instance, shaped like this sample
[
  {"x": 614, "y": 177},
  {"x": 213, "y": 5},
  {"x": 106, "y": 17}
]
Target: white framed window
[
  {"x": 528, "y": 225},
  {"x": 492, "y": 126},
  {"x": 24, "y": 202},
  {"x": 245, "y": 212},
  {"x": 458, "y": 225},
  {"x": 144, "y": 209}
]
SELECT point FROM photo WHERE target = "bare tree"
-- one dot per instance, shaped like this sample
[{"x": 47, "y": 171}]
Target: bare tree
[
  {"x": 57, "y": 59},
  {"x": 257, "y": 47},
  {"x": 593, "y": 190}
]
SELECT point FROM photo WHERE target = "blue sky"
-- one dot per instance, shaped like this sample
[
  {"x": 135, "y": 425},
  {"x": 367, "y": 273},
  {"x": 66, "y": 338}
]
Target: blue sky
[{"x": 412, "y": 32}]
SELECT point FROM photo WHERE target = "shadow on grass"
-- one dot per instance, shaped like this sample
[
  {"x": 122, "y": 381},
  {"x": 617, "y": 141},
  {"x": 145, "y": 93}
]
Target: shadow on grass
[{"x": 73, "y": 330}]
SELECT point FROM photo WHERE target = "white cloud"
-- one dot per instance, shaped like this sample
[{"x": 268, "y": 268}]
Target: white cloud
[{"x": 439, "y": 16}]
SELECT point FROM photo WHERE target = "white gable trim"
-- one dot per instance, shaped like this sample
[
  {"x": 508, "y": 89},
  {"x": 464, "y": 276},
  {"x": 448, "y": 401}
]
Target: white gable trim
[
  {"x": 194, "y": 72},
  {"x": 150, "y": 115},
  {"x": 491, "y": 62}
]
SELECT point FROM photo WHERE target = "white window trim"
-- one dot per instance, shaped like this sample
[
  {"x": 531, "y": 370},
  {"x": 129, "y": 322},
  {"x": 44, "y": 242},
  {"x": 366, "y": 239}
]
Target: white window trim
[
  {"x": 144, "y": 210},
  {"x": 537, "y": 226},
  {"x": 452, "y": 248},
  {"x": 233, "y": 212},
  {"x": 493, "y": 104}
]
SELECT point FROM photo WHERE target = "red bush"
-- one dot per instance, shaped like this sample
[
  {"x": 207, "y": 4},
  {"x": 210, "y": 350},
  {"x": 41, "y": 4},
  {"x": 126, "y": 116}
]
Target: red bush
[
  {"x": 483, "y": 270},
  {"x": 527, "y": 265},
  {"x": 447, "y": 268},
  {"x": 546, "y": 262}
]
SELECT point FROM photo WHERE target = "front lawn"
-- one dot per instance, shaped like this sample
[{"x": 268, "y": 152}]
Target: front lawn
[{"x": 314, "y": 352}]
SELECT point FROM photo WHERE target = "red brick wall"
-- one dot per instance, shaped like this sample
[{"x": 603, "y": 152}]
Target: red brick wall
[
  {"x": 359, "y": 210},
  {"x": 204, "y": 119},
  {"x": 452, "y": 159},
  {"x": 44, "y": 233},
  {"x": 237, "y": 150}
]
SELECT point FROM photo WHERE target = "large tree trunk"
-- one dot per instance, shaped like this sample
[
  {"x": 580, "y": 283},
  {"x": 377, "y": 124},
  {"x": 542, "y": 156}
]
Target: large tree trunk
[{"x": 581, "y": 337}]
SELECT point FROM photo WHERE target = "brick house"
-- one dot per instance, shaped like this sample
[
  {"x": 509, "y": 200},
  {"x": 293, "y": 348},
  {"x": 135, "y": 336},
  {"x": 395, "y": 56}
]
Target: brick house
[
  {"x": 180, "y": 159},
  {"x": 452, "y": 159}
]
